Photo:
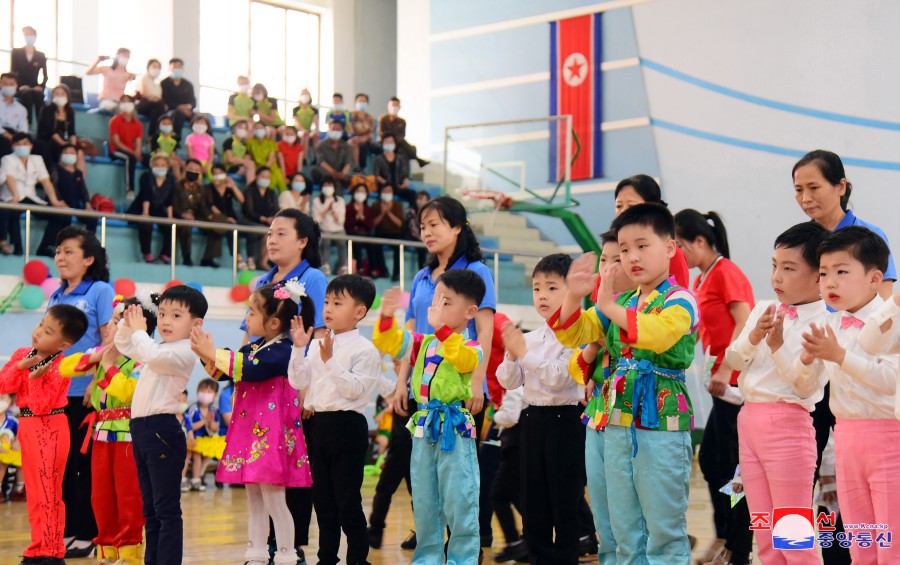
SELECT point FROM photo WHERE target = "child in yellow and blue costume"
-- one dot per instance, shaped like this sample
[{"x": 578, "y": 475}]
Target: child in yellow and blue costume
[
  {"x": 650, "y": 334},
  {"x": 444, "y": 464},
  {"x": 9, "y": 429}
]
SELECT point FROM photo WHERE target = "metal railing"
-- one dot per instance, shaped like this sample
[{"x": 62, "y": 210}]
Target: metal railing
[{"x": 235, "y": 230}]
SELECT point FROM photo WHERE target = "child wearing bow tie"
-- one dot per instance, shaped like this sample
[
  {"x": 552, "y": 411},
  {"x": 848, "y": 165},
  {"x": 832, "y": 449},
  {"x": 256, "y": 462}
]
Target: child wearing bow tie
[{"x": 777, "y": 466}]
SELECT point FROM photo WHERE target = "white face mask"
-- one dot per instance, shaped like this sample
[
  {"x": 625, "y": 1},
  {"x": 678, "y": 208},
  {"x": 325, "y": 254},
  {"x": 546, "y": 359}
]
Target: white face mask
[
  {"x": 60, "y": 100},
  {"x": 334, "y": 135},
  {"x": 206, "y": 397},
  {"x": 182, "y": 408},
  {"x": 4, "y": 405},
  {"x": 30, "y": 39},
  {"x": 153, "y": 72},
  {"x": 338, "y": 106},
  {"x": 305, "y": 98},
  {"x": 199, "y": 128},
  {"x": 263, "y": 183},
  {"x": 220, "y": 176},
  {"x": 240, "y": 133},
  {"x": 126, "y": 107},
  {"x": 259, "y": 133},
  {"x": 68, "y": 159},
  {"x": 328, "y": 190},
  {"x": 393, "y": 110},
  {"x": 122, "y": 60},
  {"x": 258, "y": 97},
  {"x": 387, "y": 198},
  {"x": 289, "y": 139},
  {"x": 360, "y": 196},
  {"x": 244, "y": 88},
  {"x": 165, "y": 128}
]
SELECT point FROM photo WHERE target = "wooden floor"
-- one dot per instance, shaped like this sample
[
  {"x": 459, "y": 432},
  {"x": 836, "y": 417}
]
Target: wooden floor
[{"x": 216, "y": 526}]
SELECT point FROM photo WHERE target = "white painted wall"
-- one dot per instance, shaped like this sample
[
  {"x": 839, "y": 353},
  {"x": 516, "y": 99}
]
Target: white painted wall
[{"x": 414, "y": 68}]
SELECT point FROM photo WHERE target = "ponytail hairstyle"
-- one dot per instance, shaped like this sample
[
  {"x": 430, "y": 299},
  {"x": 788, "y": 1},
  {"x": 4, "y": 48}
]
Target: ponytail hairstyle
[
  {"x": 831, "y": 167},
  {"x": 90, "y": 246},
  {"x": 276, "y": 301},
  {"x": 646, "y": 187},
  {"x": 453, "y": 212},
  {"x": 306, "y": 228},
  {"x": 691, "y": 224}
]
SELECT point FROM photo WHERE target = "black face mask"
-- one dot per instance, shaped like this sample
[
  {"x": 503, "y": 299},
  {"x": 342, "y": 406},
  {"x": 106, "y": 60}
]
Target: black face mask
[{"x": 191, "y": 176}]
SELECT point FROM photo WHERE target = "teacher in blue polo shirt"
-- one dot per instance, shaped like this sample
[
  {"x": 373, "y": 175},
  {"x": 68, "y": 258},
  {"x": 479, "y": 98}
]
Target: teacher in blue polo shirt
[{"x": 84, "y": 271}]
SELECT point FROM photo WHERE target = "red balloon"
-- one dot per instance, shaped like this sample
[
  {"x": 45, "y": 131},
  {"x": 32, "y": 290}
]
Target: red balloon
[
  {"x": 173, "y": 282},
  {"x": 125, "y": 287},
  {"x": 240, "y": 293},
  {"x": 35, "y": 272}
]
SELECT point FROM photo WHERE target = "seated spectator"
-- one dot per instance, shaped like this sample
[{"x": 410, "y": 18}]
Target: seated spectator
[
  {"x": 298, "y": 196},
  {"x": 235, "y": 154},
  {"x": 359, "y": 221},
  {"x": 306, "y": 118},
  {"x": 392, "y": 124},
  {"x": 155, "y": 200},
  {"x": 27, "y": 63},
  {"x": 165, "y": 144},
  {"x": 241, "y": 104},
  {"x": 188, "y": 203},
  {"x": 178, "y": 94},
  {"x": 260, "y": 206},
  {"x": 391, "y": 169},
  {"x": 56, "y": 129},
  {"x": 220, "y": 196},
  {"x": 115, "y": 77},
  {"x": 329, "y": 211},
  {"x": 334, "y": 159},
  {"x": 265, "y": 154},
  {"x": 389, "y": 225},
  {"x": 362, "y": 132},
  {"x": 151, "y": 104},
  {"x": 199, "y": 144},
  {"x": 291, "y": 150},
  {"x": 411, "y": 225},
  {"x": 23, "y": 171},
  {"x": 68, "y": 180},
  {"x": 339, "y": 114},
  {"x": 13, "y": 116},
  {"x": 266, "y": 109},
  {"x": 125, "y": 134}
]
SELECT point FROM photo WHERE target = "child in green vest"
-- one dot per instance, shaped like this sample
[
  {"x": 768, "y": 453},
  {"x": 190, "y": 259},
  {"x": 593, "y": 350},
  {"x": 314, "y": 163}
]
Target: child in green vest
[
  {"x": 166, "y": 144},
  {"x": 264, "y": 152}
]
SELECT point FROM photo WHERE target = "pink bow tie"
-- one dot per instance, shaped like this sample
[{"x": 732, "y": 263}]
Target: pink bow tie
[
  {"x": 790, "y": 312},
  {"x": 850, "y": 322}
]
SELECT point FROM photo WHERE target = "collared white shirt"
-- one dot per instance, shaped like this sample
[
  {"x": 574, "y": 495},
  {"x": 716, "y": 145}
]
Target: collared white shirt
[
  {"x": 26, "y": 176},
  {"x": 13, "y": 116},
  {"x": 511, "y": 408},
  {"x": 544, "y": 371},
  {"x": 165, "y": 370},
  {"x": 864, "y": 386},
  {"x": 346, "y": 382},
  {"x": 873, "y": 340},
  {"x": 768, "y": 377}
]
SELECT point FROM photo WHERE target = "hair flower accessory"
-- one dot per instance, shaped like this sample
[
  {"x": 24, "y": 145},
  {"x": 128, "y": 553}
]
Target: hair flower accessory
[
  {"x": 295, "y": 290},
  {"x": 118, "y": 306}
]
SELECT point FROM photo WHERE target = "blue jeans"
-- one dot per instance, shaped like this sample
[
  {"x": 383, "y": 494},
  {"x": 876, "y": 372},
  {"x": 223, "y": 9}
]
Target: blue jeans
[
  {"x": 594, "y": 443},
  {"x": 648, "y": 494}
]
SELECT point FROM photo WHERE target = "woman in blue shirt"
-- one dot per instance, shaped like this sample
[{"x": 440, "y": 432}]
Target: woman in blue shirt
[{"x": 82, "y": 265}]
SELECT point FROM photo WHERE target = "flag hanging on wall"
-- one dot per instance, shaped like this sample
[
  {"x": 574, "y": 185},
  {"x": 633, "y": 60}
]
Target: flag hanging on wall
[{"x": 575, "y": 89}]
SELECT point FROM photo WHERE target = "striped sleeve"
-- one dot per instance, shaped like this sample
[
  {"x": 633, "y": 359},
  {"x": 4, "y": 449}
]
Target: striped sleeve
[
  {"x": 389, "y": 338},
  {"x": 227, "y": 364},
  {"x": 659, "y": 330},
  {"x": 579, "y": 369},
  {"x": 580, "y": 329}
]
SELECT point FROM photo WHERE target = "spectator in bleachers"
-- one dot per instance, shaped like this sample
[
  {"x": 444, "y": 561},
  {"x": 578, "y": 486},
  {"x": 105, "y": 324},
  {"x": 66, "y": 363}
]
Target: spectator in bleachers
[
  {"x": 151, "y": 104},
  {"x": 362, "y": 132},
  {"x": 329, "y": 211},
  {"x": 389, "y": 225},
  {"x": 27, "y": 63},
  {"x": 334, "y": 159},
  {"x": 306, "y": 118},
  {"x": 240, "y": 104},
  {"x": 13, "y": 116},
  {"x": 265, "y": 154},
  {"x": 220, "y": 196},
  {"x": 235, "y": 154},
  {"x": 199, "y": 144},
  {"x": 155, "y": 200},
  {"x": 339, "y": 114},
  {"x": 188, "y": 203},
  {"x": 165, "y": 144},
  {"x": 260, "y": 206},
  {"x": 68, "y": 180},
  {"x": 392, "y": 169},
  {"x": 56, "y": 129},
  {"x": 178, "y": 94},
  {"x": 298, "y": 195},
  {"x": 266, "y": 109},
  {"x": 23, "y": 172},
  {"x": 359, "y": 221},
  {"x": 411, "y": 225},
  {"x": 291, "y": 150},
  {"x": 115, "y": 77},
  {"x": 392, "y": 124},
  {"x": 125, "y": 138}
]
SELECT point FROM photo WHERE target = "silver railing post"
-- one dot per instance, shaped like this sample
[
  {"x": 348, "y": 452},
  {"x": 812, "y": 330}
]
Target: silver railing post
[
  {"x": 234, "y": 257},
  {"x": 27, "y": 235},
  {"x": 402, "y": 252},
  {"x": 103, "y": 231},
  {"x": 496, "y": 273},
  {"x": 349, "y": 256},
  {"x": 172, "y": 256}
]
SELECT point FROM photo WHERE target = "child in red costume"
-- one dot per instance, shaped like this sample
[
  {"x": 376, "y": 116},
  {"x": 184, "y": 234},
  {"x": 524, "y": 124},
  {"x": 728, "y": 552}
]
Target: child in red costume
[{"x": 32, "y": 373}]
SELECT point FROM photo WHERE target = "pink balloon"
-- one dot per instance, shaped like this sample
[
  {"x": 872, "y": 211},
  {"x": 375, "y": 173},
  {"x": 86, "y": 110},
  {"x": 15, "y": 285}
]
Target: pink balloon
[
  {"x": 404, "y": 300},
  {"x": 49, "y": 286}
]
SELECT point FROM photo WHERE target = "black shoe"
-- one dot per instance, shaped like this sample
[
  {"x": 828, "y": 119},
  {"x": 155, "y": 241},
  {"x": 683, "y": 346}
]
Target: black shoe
[
  {"x": 375, "y": 538},
  {"x": 46, "y": 252},
  {"x": 75, "y": 553},
  {"x": 515, "y": 551},
  {"x": 587, "y": 545},
  {"x": 301, "y": 557},
  {"x": 188, "y": 262},
  {"x": 409, "y": 542},
  {"x": 209, "y": 263},
  {"x": 50, "y": 560}
]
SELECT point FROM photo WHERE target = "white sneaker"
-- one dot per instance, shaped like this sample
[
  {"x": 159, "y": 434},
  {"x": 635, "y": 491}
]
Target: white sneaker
[
  {"x": 184, "y": 485},
  {"x": 197, "y": 485}
]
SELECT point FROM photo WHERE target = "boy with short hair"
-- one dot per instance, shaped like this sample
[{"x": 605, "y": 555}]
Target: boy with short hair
[
  {"x": 852, "y": 262},
  {"x": 651, "y": 333},
  {"x": 32, "y": 374},
  {"x": 156, "y": 435},
  {"x": 443, "y": 468},
  {"x": 339, "y": 373}
]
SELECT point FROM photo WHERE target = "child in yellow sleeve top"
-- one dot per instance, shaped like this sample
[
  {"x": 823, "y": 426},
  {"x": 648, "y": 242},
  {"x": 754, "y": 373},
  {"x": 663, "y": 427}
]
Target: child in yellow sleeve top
[{"x": 444, "y": 471}]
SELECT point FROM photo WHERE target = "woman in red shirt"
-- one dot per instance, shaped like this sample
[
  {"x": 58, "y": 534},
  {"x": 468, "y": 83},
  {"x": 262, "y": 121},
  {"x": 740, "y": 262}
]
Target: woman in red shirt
[{"x": 725, "y": 298}]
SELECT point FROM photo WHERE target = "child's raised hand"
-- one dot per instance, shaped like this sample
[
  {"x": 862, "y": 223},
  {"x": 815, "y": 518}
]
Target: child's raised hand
[
  {"x": 134, "y": 318},
  {"x": 823, "y": 344},
  {"x": 300, "y": 335},
  {"x": 606, "y": 293},
  {"x": 775, "y": 337},
  {"x": 109, "y": 356},
  {"x": 513, "y": 340},
  {"x": 763, "y": 325},
  {"x": 390, "y": 301},
  {"x": 326, "y": 347},
  {"x": 436, "y": 312},
  {"x": 582, "y": 278},
  {"x": 202, "y": 344}
]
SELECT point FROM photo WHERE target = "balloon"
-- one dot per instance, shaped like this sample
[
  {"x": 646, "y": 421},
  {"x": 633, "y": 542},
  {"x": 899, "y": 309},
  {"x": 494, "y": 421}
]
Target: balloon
[
  {"x": 244, "y": 277},
  {"x": 404, "y": 300},
  {"x": 196, "y": 286},
  {"x": 255, "y": 281},
  {"x": 376, "y": 303},
  {"x": 173, "y": 282},
  {"x": 35, "y": 272},
  {"x": 239, "y": 293},
  {"x": 31, "y": 297},
  {"x": 125, "y": 287},
  {"x": 49, "y": 286}
]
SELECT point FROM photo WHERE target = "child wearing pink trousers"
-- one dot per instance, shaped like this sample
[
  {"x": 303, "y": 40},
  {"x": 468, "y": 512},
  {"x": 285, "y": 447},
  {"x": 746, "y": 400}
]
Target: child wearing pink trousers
[
  {"x": 266, "y": 448},
  {"x": 775, "y": 430}
]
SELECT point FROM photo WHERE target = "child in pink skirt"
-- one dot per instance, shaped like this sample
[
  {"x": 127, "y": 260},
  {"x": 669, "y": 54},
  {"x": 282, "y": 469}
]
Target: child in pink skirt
[{"x": 266, "y": 448}]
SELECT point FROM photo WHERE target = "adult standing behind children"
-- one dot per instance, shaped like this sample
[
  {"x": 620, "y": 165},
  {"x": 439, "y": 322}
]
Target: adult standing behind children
[
  {"x": 151, "y": 104},
  {"x": 178, "y": 94},
  {"x": 28, "y": 63}
]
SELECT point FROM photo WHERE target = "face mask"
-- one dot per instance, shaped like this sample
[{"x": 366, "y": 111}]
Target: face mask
[
  {"x": 338, "y": 106},
  {"x": 393, "y": 110},
  {"x": 60, "y": 100},
  {"x": 240, "y": 133},
  {"x": 220, "y": 176},
  {"x": 244, "y": 88},
  {"x": 30, "y": 39},
  {"x": 192, "y": 176},
  {"x": 160, "y": 171},
  {"x": 289, "y": 139},
  {"x": 22, "y": 150},
  {"x": 126, "y": 107},
  {"x": 305, "y": 98},
  {"x": 165, "y": 128},
  {"x": 182, "y": 408},
  {"x": 328, "y": 190},
  {"x": 68, "y": 159},
  {"x": 389, "y": 147},
  {"x": 206, "y": 397},
  {"x": 299, "y": 186},
  {"x": 153, "y": 73},
  {"x": 8, "y": 91},
  {"x": 263, "y": 183},
  {"x": 258, "y": 97},
  {"x": 360, "y": 196},
  {"x": 259, "y": 133},
  {"x": 199, "y": 128},
  {"x": 334, "y": 135},
  {"x": 122, "y": 60},
  {"x": 4, "y": 405},
  {"x": 362, "y": 106},
  {"x": 177, "y": 73},
  {"x": 388, "y": 198}
]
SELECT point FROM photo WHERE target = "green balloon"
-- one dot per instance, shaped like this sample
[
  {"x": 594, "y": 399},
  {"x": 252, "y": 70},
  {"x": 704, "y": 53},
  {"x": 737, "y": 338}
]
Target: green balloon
[
  {"x": 31, "y": 297},
  {"x": 244, "y": 277},
  {"x": 377, "y": 303}
]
